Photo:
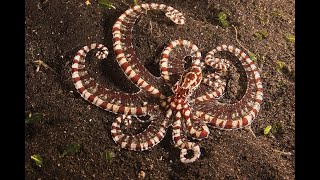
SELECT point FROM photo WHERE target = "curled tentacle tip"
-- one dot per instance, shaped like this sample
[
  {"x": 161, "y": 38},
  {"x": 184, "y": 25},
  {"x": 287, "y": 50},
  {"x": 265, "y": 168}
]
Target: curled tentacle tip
[
  {"x": 102, "y": 53},
  {"x": 196, "y": 154}
]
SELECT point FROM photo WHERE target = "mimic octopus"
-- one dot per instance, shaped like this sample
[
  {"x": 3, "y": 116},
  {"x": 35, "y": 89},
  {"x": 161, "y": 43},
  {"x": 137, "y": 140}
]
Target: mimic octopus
[{"x": 190, "y": 105}]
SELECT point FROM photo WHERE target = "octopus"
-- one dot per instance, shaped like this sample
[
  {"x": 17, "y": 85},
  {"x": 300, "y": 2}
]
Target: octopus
[{"x": 185, "y": 98}]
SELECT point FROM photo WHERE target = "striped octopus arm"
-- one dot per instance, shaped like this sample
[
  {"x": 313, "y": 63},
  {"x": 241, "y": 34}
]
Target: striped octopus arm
[
  {"x": 124, "y": 50},
  {"x": 144, "y": 140},
  {"x": 241, "y": 113},
  {"x": 90, "y": 90}
]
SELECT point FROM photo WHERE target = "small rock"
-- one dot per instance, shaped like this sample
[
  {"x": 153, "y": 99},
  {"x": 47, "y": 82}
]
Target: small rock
[{"x": 141, "y": 174}]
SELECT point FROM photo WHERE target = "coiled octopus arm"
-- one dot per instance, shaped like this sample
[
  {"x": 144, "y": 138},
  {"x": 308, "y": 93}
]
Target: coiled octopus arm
[
  {"x": 241, "y": 113},
  {"x": 125, "y": 54},
  {"x": 90, "y": 90}
]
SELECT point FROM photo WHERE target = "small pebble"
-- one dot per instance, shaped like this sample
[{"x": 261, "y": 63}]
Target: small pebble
[{"x": 141, "y": 174}]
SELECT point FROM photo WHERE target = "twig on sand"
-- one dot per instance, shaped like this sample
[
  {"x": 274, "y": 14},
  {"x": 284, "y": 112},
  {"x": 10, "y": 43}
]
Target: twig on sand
[
  {"x": 283, "y": 153},
  {"x": 40, "y": 63},
  {"x": 150, "y": 26},
  {"x": 248, "y": 128},
  {"x": 235, "y": 29}
]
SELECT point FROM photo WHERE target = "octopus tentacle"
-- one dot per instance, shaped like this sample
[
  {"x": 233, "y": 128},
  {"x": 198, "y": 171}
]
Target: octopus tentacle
[
  {"x": 217, "y": 84},
  {"x": 103, "y": 97},
  {"x": 183, "y": 143},
  {"x": 123, "y": 45},
  {"x": 145, "y": 140},
  {"x": 217, "y": 63},
  {"x": 213, "y": 80},
  {"x": 221, "y": 66},
  {"x": 170, "y": 66},
  {"x": 197, "y": 129},
  {"x": 250, "y": 102}
]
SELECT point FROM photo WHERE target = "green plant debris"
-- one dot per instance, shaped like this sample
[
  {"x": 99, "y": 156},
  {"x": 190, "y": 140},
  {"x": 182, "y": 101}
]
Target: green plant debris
[
  {"x": 262, "y": 19},
  {"x": 109, "y": 155},
  {"x": 276, "y": 13},
  {"x": 261, "y": 34},
  {"x": 135, "y": 2},
  {"x": 252, "y": 56},
  {"x": 36, "y": 117},
  {"x": 37, "y": 159},
  {"x": 263, "y": 57},
  {"x": 266, "y": 130},
  {"x": 283, "y": 68},
  {"x": 71, "y": 149},
  {"x": 290, "y": 38},
  {"x": 222, "y": 18},
  {"x": 277, "y": 128},
  {"x": 280, "y": 66},
  {"x": 106, "y": 3}
]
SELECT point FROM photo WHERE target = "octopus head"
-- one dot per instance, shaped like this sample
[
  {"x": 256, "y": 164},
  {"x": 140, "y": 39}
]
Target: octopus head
[{"x": 188, "y": 83}]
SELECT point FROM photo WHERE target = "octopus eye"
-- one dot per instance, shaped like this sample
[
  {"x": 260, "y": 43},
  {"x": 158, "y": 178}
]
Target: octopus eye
[{"x": 175, "y": 87}]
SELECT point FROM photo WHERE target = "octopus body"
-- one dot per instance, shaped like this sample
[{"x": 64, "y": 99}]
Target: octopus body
[{"x": 193, "y": 101}]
